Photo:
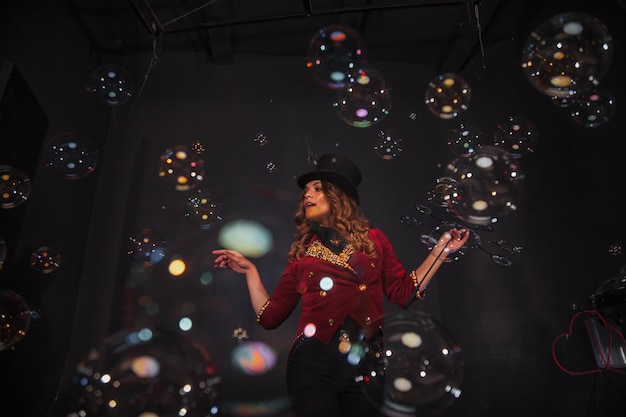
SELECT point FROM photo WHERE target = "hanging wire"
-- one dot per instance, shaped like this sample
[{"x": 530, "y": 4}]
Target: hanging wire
[
  {"x": 479, "y": 29},
  {"x": 156, "y": 46},
  {"x": 190, "y": 12}
]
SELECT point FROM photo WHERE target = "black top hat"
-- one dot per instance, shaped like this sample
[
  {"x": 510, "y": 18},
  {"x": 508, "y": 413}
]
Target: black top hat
[{"x": 335, "y": 169}]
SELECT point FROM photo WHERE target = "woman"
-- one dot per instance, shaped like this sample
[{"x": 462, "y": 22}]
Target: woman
[{"x": 339, "y": 267}]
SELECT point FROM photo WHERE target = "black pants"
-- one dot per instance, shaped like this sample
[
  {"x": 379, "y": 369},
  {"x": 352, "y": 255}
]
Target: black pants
[{"x": 321, "y": 382}]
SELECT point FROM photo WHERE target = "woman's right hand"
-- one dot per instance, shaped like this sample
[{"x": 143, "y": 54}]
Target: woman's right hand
[{"x": 233, "y": 260}]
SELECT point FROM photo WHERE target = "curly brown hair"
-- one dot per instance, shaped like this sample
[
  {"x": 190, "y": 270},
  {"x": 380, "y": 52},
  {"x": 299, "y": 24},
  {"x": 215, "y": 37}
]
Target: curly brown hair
[{"x": 346, "y": 218}]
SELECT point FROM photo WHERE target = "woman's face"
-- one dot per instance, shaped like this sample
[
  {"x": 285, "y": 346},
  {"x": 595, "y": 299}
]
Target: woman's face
[{"x": 316, "y": 206}]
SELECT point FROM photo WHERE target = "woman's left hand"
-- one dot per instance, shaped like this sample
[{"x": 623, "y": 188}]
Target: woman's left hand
[{"x": 453, "y": 240}]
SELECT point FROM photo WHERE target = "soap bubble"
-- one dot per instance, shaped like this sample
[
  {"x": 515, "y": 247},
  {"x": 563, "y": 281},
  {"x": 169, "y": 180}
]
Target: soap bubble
[
  {"x": 203, "y": 210},
  {"x": 366, "y": 100},
  {"x": 14, "y": 186},
  {"x": 517, "y": 135},
  {"x": 145, "y": 373},
  {"x": 111, "y": 84},
  {"x": 15, "y": 318},
  {"x": 147, "y": 247},
  {"x": 447, "y": 96},
  {"x": 72, "y": 155},
  {"x": 592, "y": 108},
  {"x": 441, "y": 192},
  {"x": 388, "y": 146},
  {"x": 568, "y": 52},
  {"x": 261, "y": 139},
  {"x": 465, "y": 139},
  {"x": 488, "y": 185},
  {"x": 181, "y": 168},
  {"x": 45, "y": 259},
  {"x": 334, "y": 52},
  {"x": 421, "y": 368}
]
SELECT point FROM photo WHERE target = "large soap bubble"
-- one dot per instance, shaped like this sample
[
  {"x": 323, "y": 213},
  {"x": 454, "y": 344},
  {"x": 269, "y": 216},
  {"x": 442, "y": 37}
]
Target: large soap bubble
[
  {"x": 145, "y": 373},
  {"x": 389, "y": 145},
  {"x": 568, "y": 52},
  {"x": 203, "y": 209},
  {"x": 112, "y": 84},
  {"x": 181, "y": 167},
  {"x": 14, "y": 186},
  {"x": 334, "y": 52},
  {"x": 72, "y": 155},
  {"x": 517, "y": 135},
  {"x": 488, "y": 185},
  {"x": 464, "y": 139},
  {"x": 447, "y": 95},
  {"x": 147, "y": 247},
  {"x": 420, "y": 371},
  {"x": 592, "y": 108},
  {"x": 15, "y": 318},
  {"x": 366, "y": 100}
]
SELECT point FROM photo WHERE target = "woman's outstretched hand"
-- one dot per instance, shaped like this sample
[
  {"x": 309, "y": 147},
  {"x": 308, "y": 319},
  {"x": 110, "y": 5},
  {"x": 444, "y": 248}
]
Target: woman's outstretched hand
[
  {"x": 452, "y": 240},
  {"x": 232, "y": 259}
]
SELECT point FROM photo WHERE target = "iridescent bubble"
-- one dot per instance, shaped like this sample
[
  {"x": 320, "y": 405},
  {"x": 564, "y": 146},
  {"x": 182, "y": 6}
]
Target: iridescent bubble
[
  {"x": 388, "y": 146},
  {"x": 334, "y": 52},
  {"x": 147, "y": 247},
  {"x": 488, "y": 185},
  {"x": 441, "y": 192},
  {"x": 447, "y": 96},
  {"x": 45, "y": 259},
  {"x": 3, "y": 252},
  {"x": 615, "y": 249},
  {"x": 111, "y": 84},
  {"x": 592, "y": 108},
  {"x": 197, "y": 147},
  {"x": 144, "y": 373},
  {"x": 420, "y": 369},
  {"x": 366, "y": 100},
  {"x": 517, "y": 135},
  {"x": 254, "y": 358},
  {"x": 14, "y": 186},
  {"x": 271, "y": 167},
  {"x": 72, "y": 155},
  {"x": 568, "y": 52},
  {"x": 465, "y": 139},
  {"x": 15, "y": 318},
  {"x": 260, "y": 139},
  {"x": 181, "y": 168},
  {"x": 203, "y": 209}
]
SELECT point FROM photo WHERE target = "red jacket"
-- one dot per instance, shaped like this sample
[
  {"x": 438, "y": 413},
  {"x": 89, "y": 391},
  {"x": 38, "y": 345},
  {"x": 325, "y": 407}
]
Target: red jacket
[{"x": 332, "y": 287}]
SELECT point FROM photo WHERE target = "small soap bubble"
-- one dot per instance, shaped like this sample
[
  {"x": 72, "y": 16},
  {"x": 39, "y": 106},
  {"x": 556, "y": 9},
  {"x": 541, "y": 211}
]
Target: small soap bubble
[
  {"x": 388, "y": 146},
  {"x": 260, "y": 139},
  {"x": 45, "y": 259},
  {"x": 14, "y": 186}
]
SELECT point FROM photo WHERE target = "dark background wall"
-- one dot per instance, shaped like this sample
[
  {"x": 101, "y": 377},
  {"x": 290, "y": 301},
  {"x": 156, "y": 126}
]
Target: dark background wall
[{"x": 504, "y": 318}]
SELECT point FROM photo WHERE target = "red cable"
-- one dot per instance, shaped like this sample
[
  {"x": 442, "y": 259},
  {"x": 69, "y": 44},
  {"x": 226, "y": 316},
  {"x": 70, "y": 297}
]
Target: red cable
[{"x": 606, "y": 360}]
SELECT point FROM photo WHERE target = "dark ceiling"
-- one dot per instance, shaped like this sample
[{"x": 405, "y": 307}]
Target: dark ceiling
[{"x": 444, "y": 34}]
